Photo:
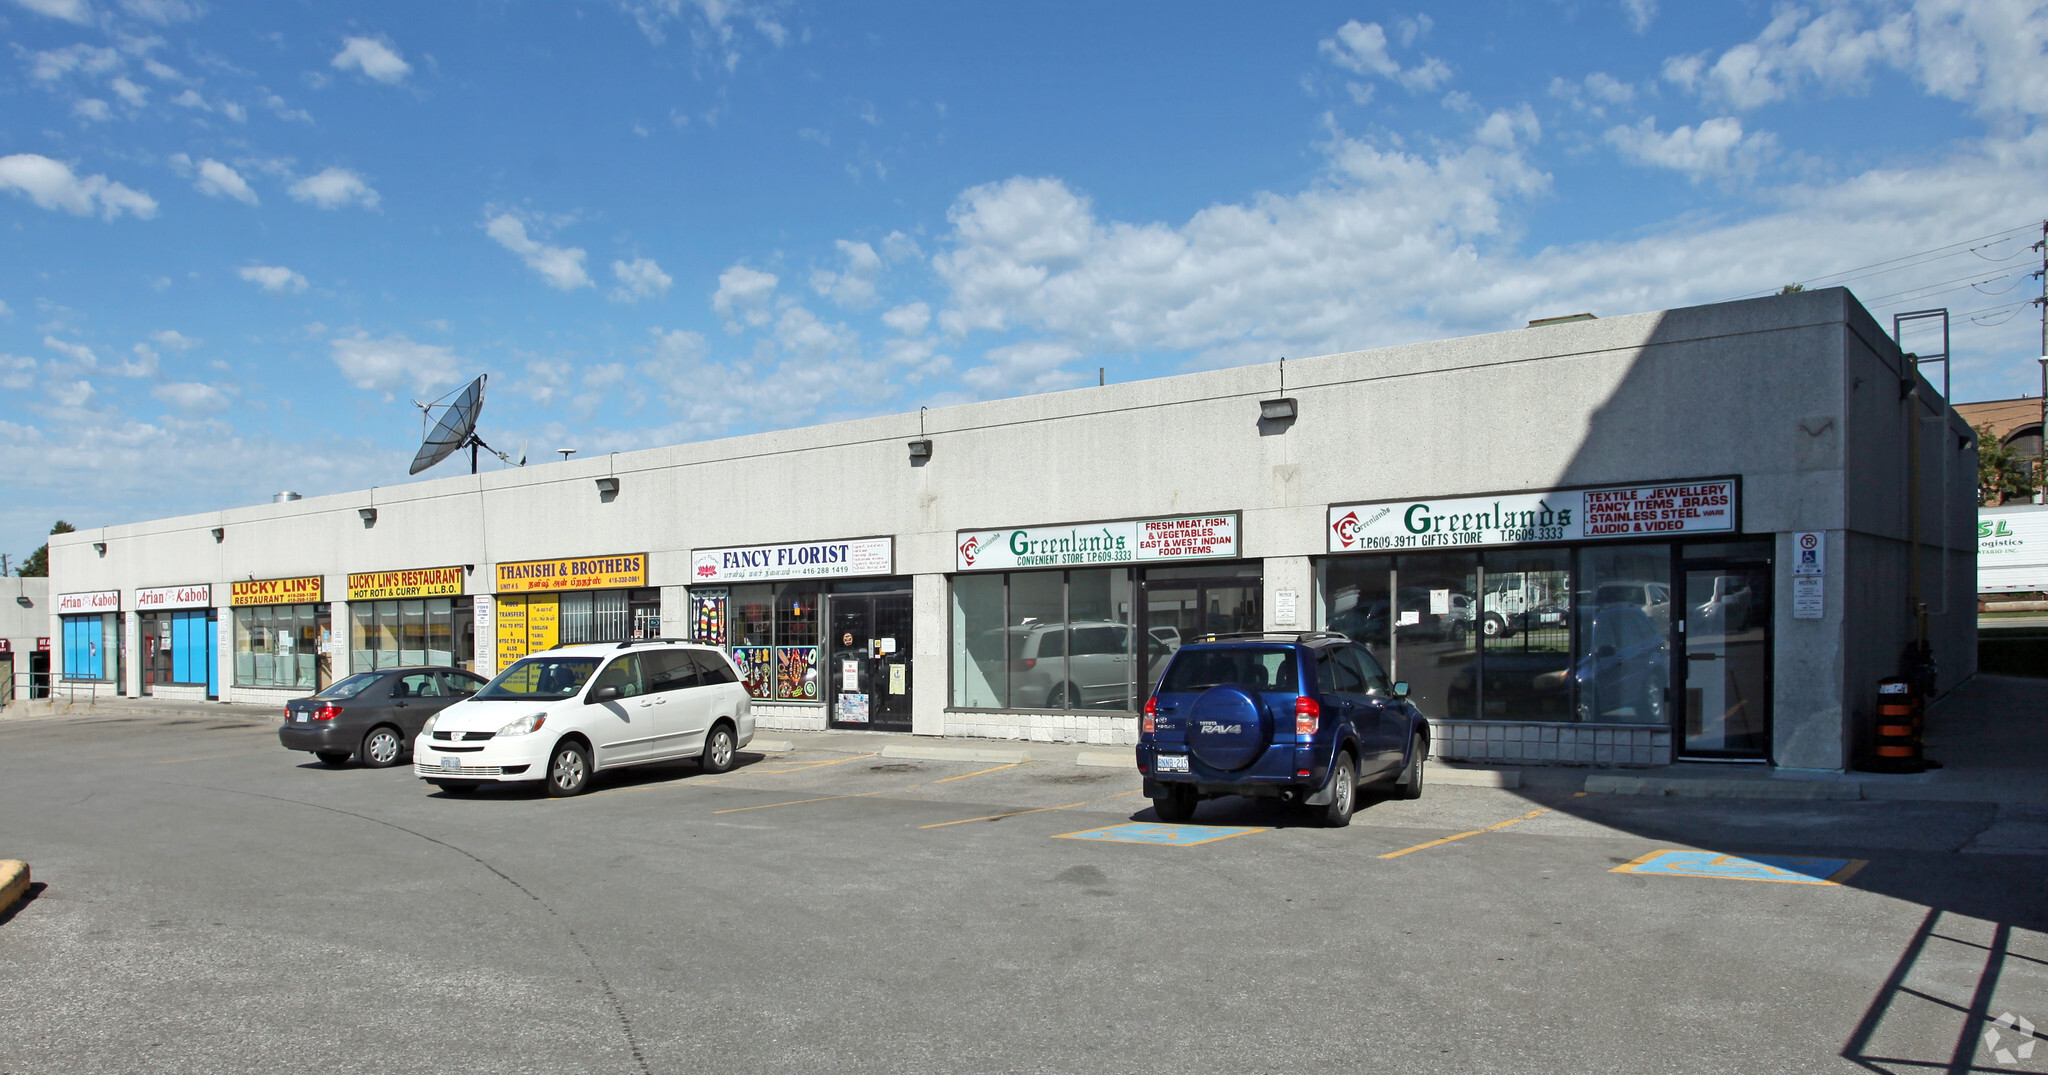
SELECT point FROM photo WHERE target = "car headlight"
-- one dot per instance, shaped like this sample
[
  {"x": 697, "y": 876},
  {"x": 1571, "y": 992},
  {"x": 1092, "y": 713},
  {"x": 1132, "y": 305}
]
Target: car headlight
[
  {"x": 428, "y": 728},
  {"x": 525, "y": 725}
]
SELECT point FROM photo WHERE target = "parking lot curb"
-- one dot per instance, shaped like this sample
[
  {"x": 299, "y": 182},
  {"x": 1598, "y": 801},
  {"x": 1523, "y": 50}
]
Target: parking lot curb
[
  {"x": 769, "y": 746},
  {"x": 1803, "y": 790},
  {"x": 13, "y": 882},
  {"x": 1125, "y": 760},
  {"x": 1475, "y": 778},
  {"x": 918, "y": 753}
]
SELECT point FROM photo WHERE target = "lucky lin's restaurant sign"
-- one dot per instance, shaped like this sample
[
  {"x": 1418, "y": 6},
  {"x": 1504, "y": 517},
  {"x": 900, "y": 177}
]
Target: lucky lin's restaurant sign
[
  {"x": 1182, "y": 537},
  {"x": 811, "y": 559},
  {"x": 1638, "y": 511}
]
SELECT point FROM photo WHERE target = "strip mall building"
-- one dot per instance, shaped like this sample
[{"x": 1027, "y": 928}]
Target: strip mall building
[{"x": 1704, "y": 533}]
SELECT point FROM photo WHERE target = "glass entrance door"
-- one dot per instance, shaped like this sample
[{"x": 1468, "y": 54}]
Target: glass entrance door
[
  {"x": 1726, "y": 632},
  {"x": 867, "y": 665},
  {"x": 1177, "y": 611}
]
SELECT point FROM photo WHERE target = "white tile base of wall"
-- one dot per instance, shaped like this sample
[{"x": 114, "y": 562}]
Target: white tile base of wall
[
  {"x": 790, "y": 718},
  {"x": 1494, "y": 742},
  {"x": 177, "y": 694},
  {"x": 1116, "y": 730}
]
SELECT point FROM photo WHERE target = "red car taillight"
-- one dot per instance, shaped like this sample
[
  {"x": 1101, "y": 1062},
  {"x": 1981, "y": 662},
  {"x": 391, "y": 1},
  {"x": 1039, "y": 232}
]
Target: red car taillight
[
  {"x": 327, "y": 712},
  {"x": 1149, "y": 722},
  {"x": 1308, "y": 716}
]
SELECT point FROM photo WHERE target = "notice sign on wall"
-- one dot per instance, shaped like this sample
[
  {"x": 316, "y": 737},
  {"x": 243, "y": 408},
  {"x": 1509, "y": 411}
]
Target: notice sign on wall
[
  {"x": 304, "y": 590},
  {"x": 168, "y": 597},
  {"x": 74, "y": 604},
  {"x": 417, "y": 582},
  {"x": 1618, "y": 512},
  {"x": 808, "y": 559},
  {"x": 574, "y": 573},
  {"x": 1181, "y": 537}
]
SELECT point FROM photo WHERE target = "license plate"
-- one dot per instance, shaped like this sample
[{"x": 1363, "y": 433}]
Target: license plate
[
  {"x": 451, "y": 762},
  {"x": 299, "y": 718},
  {"x": 1552, "y": 617},
  {"x": 1173, "y": 763}
]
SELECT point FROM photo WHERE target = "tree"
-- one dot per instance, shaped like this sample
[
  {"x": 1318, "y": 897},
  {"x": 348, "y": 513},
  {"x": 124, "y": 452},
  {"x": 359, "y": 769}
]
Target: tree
[
  {"x": 1792, "y": 289},
  {"x": 2003, "y": 474},
  {"x": 37, "y": 566}
]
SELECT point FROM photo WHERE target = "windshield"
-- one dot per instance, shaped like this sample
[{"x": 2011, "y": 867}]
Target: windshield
[
  {"x": 539, "y": 677},
  {"x": 348, "y": 688},
  {"x": 1263, "y": 669}
]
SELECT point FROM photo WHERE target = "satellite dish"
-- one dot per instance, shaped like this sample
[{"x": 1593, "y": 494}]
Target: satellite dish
[{"x": 455, "y": 430}]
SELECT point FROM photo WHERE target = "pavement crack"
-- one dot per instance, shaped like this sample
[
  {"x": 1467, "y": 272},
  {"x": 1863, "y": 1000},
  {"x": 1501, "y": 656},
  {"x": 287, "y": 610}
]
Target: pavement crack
[{"x": 604, "y": 984}]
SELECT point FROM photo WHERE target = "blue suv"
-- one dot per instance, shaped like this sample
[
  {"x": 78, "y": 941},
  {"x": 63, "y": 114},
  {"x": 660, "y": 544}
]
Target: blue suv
[{"x": 1303, "y": 717}]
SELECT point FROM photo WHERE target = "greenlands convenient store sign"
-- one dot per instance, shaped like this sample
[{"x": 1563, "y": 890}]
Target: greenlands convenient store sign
[
  {"x": 1615, "y": 512},
  {"x": 1179, "y": 537}
]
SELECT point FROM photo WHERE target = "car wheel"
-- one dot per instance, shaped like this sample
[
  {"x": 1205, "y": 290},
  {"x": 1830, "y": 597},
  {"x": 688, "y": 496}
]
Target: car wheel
[
  {"x": 1411, "y": 781},
  {"x": 1459, "y": 634},
  {"x": 335, "y": 758},
  {"x": 568, "y": 769},
  {"x": 1058, "y": 698},
  {"x": 381, "y": 748},
  {"x": 1343, "y": 793},
  {"x": 718, "y": 749},
  {"x": 1651, "y": 708},
  {"x": 1493, "y": 627},
  {"x": 457, "y": 787},
  {"x": 1178, "y": 804}
]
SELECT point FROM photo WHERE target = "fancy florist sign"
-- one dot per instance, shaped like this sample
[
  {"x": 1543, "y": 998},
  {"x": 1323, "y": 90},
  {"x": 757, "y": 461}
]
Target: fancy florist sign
[
  {"x": 1179, "y": 537},
  {"x": 809, "y": 559},
  {"x": 1615, "y": 512}
]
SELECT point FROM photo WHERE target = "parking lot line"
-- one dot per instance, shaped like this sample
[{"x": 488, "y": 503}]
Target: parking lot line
[
  {"x": 211, "y": 757},
  {"x": 1021, "y": 813},
  {"x": 963, "y": 776},
  {"x": 800, "y": 802},
  {"x": 1462, "y": 835},
  {"x": 752, "y": 771}
]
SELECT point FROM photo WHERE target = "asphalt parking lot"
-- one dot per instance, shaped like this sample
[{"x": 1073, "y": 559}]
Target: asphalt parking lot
[{"x": 207, "y": 901}]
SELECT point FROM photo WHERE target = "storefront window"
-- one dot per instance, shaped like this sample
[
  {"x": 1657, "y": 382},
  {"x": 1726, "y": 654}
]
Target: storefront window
[
  {"x": 772, "y": 633},
  {"x": 1060, "y": 640},
  {"x": 437, "y": 631},
  {"x": 91, "y": 646},
  {"x": 178, "y": 647},
  {"x": 1526, "y": 624},
  {"x": 1624, "y": 632},
  {"x": 279, "y": 646}
]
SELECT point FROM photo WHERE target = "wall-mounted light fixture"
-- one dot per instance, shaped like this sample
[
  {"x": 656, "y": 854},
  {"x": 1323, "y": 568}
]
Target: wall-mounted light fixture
[
  {"x": 369, "y": 516},
  {"x": 1277, "y": 410},
  {"x": 607, "y": 489},
  {"x": 920, "y": 451},
  {"x": 219, "y": 534},
  {"x": 23, "y": 601},
  {"x": 469, "y": 569},
  {"x": 100, "y": 547}
]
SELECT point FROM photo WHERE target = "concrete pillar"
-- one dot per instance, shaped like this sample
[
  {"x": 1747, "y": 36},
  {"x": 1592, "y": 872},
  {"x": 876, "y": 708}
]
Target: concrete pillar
[
  {"x": 1285, "y": 577},
  {"x": 928, "y": 669}
]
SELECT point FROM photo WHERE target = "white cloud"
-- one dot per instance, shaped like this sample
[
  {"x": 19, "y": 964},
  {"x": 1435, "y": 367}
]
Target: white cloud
[
  {"x": 560, "y": 266},
  {"x": 68, "y": 10},
  {"x": 91, "y": 60},
  {"x": 386, "y": 364},
  {"x": 1640, "y": 13},
  {"x": 1023, "y": 368},
  {"x": 192, "y": 397},
  {"x": 1361, "y": 48},
  {"x": 52, "y": 185},
  {"x": 217, "y": 180},
  {"x": 136, "y": 95},
  {"x": 713, "y": 25},
  {"x": 639, "y": 279},
  {"x": 334, "y": 188},
  {"x": 76, "y": 352},
  {"x": 6, "y": 310},
  {"x": 374, "y": 59},
  {"x": 854, "y": 286},
  {"x": 744, "y": 297},
  {"x": 73, "y": 394},
  {"x": 275, "y": 279},
  {"x": 1716, "y": 147},
  {"x": 164, "y": 11},
  {"x": 17, "y": 372},
  {"x": 146, "y": 363},
  {"x": 92, "y": 108},
  {"x": 191, "y": 99},
  {"x": 909, "y": 319},
  {"x": 174, "y": 340}
]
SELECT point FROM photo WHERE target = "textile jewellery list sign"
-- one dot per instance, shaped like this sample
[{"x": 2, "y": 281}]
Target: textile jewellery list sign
[
  {"x": 1180, "y": 537},
  {"x": 1630, "y": 511},
  {"x": 809, "y": 559}
]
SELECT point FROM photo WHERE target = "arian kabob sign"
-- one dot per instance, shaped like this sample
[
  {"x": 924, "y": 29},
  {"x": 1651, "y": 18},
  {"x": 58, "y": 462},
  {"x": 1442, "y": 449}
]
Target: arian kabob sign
[{"x": 1605, "y": 513}]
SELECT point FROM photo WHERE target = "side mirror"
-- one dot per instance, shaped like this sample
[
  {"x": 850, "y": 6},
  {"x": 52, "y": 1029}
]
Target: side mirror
[
  {"x": 605, "y": 694},
  {"x": 1401, "y": 689}
]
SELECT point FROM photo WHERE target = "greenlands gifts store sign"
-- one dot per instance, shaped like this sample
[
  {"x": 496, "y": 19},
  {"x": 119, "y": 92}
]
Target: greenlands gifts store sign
[
  {"x": 1608, "y": 513},
  {"x": 1180, "y": 537}
]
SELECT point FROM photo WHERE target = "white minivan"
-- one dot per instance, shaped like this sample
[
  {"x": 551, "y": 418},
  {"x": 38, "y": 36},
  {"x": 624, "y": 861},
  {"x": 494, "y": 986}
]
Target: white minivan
[{"x": 563, "y": 714}]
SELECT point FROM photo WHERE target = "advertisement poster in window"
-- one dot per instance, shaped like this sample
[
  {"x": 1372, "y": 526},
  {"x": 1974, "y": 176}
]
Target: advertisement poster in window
[
  {"x": 709, "y": 610},
  {"x": 755, "y": 664},
  {"x": 796, "y": 673},
  {"x": 853, "y": 708}
]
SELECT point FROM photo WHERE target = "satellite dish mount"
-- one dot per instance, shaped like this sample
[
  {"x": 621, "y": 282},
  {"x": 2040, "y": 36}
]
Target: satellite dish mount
[{"x": 457, "y": 429}]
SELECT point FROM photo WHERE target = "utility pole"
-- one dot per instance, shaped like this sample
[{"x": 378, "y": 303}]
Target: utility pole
[
  {"x": 2041, "y": 457},
  {"x": 3, "y": 565}
]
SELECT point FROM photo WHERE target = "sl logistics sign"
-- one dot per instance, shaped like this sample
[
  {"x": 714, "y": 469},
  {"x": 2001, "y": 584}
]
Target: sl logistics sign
[
  {"x": 305, "y": 590},
  {"x": 417, "y": 582},
  {"x": 810, "y": 559},
  {"x": 1608, "y": 513},
  {"x": 1179, "y": 537},
  {"x": 574, "y": 573}
]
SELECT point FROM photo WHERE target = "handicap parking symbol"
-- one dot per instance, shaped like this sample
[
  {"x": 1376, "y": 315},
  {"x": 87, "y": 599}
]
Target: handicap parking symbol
[
  {"x": 1783, "y": 869},
  {"x": 1172, "y": 835}
]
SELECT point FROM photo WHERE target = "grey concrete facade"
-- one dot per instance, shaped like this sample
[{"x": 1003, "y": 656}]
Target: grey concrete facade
[
  {"x": 24, "y": 628},
  {"x": 1799, "y": 397}
]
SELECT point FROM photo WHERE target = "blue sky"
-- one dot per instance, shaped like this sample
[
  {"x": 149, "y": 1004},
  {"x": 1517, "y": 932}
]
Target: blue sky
[{"x": 239, "y": 238}]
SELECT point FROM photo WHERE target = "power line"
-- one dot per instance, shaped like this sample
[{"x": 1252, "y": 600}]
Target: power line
[
  {"x": 1974, "y": 279},
  {"x": 1932, "y": 254}
]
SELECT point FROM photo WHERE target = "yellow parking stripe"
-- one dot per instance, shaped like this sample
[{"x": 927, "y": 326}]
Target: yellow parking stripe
[
  {"x": 1462, "y": 835},
  {"x": 792, "y": 769},
  {"x": 964, "y": 776},
  {"x": 211, "y": 757},
  {"x": 1040, "y": 810},
  {"x": 800, "y": 802}
]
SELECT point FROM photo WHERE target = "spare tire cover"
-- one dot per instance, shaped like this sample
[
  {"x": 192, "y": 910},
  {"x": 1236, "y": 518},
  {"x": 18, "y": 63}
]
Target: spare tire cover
[{"x": 1229, "y": 727}]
